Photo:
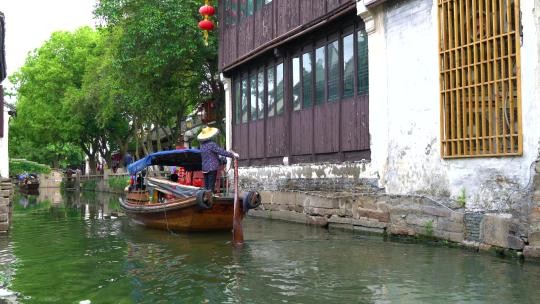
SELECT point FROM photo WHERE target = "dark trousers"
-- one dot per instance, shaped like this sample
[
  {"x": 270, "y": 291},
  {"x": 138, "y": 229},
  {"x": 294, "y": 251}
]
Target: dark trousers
[{"x": 210, "y": 180}]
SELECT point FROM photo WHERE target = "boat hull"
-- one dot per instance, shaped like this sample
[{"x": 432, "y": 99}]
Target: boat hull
[
  {"x": 29, "y": 186},
  {"x": 187, "y": 216}
]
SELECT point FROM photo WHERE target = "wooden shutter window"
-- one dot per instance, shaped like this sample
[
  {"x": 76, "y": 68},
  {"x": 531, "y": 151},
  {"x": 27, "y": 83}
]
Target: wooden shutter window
[
  {"x": 296, "y": 88},
  {"x": 307, "y": 80},
  {"x": 260, "y": 93},
  {"x": 320, "y": 74},
  {"x": 270, "y": 91},
  {"x": 253, "y": 96},
  {"x": 245, "y": 101},
  {"x": 280, "y": 89},
  {"x": 480, "y": 81},
  {"x": 333, "y": 71},
  {"x": 237, "y": 108},
  {"x": 363, "y": 62}
]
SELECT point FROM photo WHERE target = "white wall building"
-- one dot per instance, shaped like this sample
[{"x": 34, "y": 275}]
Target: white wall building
[{"x": 454, "y": 117}]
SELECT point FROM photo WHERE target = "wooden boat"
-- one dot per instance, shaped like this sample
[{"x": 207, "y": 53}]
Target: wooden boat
[
  {"x": 163, "y": 204},
  {"x": 29, "y": 182}
]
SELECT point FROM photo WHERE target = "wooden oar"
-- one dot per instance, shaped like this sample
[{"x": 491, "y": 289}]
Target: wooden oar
[{"x": 238, "y": 234}]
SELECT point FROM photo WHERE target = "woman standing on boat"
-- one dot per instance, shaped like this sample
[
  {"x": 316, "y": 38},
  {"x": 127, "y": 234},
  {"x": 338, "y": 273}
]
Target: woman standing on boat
[{"x": 210, "y": 153}]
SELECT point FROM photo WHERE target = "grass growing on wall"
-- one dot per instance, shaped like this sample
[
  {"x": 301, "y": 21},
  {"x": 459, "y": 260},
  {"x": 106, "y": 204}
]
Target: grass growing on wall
[
  {"x": 19, "y": 166},
  {"x": 118, "y": 184}
]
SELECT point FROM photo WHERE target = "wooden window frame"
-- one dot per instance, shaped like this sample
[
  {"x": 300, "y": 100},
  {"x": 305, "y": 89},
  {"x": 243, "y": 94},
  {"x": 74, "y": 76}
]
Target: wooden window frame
[
  {"x": 335, "y": 38},
  {"x": 281, "y": 62},
  {"x": 308, "y": 49},
  {"x": 247, "y": 92},
  {"x": 350, "y": 30},
  {"x": 321, "y": 44},
  {"x": 357, "y": 56},
  {"x": 297, "y": 55},
  {"x": 237, "y": 101},
  {"x": 270, "y": 66},
  {"x": 480, "y": 89},
  {"x": 251, "y": 102}
]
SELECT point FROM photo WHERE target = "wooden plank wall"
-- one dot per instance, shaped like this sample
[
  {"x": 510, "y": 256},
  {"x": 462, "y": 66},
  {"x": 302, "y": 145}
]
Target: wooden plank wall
[{"x": 272, "y": 21}]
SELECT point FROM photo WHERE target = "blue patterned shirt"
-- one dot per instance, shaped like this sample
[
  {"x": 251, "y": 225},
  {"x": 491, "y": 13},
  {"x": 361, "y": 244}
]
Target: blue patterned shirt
[{"x": 210, "y": 152}]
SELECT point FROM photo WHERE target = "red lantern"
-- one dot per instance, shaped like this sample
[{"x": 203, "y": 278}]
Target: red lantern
[
  {"x": 207, "y": 10},
  {"x": 206, "y": 25}
]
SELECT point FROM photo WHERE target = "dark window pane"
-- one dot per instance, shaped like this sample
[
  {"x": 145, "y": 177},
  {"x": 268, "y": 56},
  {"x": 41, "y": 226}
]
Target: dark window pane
[
  {"x": 320, "y": 74},
  {"x": 279, "y": 89},
  {"x": 363, "y": 66},
  {"x": 243, "y": 8},
  {"x": 250, "y": 7},
  {"x": 296, "y": 83},
  {"x": 270, "y": 90},
  {"x": 237, "y": 109},
  {"x": 348, "y": 66},
  {"x": 259, "y": 4},
  {"x": 333, "y": 71},
  {"x": 260, "y": 94},
  {"x": 244, "y": 101},
  {"x": 307, "y": 76},
  {"x": 233, "y": 12},
  {"x": 253, "y": 96}
]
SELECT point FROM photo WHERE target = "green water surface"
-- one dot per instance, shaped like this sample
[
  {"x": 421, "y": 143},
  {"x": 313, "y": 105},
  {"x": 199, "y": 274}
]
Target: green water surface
[{"x": 74, "y": 250}]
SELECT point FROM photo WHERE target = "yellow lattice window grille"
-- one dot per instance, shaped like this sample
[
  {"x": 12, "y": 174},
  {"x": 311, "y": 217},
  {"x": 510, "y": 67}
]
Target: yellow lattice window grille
[{"x": 480, "y": 82}]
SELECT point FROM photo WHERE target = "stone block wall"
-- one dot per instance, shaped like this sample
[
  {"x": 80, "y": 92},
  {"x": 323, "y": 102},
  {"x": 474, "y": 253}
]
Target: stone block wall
[
  {"x": 364, "y": 211},
  {"x": 6, "y": 195},
  {"x": 533, "y": 237}
]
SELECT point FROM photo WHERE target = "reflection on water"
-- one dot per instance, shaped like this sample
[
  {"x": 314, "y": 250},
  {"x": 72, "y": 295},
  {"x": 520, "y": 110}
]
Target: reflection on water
[{"x": 74, "y": 250}]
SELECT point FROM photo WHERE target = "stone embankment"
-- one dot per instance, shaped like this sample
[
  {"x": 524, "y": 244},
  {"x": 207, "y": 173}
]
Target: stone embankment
[
  {"x": 533, "y": 247},
  {"x": 359, "y": 205},
  {"x": 6, "y": 195},
  {"x": 368, "y": 211}
]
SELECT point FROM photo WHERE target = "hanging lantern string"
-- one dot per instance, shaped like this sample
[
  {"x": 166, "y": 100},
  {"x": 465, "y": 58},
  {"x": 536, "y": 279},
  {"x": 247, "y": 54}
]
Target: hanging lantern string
[{"x": 206, "y": 25}]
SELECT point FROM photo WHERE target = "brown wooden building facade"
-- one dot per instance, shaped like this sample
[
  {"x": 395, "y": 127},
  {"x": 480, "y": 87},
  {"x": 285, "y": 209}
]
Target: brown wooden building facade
[{"x": 299, "y": 75}]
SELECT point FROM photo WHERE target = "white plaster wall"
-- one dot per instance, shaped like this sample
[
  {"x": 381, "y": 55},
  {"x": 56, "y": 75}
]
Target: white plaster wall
[
  {"x": 414, "y": 162},
  {"x": 378, "y": 98},
  {"x": 4, "y": 159}
]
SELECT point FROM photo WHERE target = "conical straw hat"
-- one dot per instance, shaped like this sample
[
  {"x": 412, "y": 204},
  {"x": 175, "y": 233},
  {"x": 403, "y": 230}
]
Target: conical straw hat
[{"x": 207, "y": 133}]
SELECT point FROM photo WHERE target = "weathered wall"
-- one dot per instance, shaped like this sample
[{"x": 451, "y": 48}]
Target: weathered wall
[
  {"x": 4, "y": 160},
  {"x": 533, "y": 236},
  {"x": 6, "y": 196},
  {"x": 414, "y": 162}
]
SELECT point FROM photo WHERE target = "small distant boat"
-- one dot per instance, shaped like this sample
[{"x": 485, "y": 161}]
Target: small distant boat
[
  {"x": 164, "y": 204},
  {"x": 28, "y": 182}
]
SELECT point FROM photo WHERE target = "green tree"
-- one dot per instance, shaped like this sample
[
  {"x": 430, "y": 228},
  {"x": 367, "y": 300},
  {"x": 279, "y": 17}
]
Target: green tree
[
  {"x": 48, "y": 127},
  {"x": 160, "y": 56}
]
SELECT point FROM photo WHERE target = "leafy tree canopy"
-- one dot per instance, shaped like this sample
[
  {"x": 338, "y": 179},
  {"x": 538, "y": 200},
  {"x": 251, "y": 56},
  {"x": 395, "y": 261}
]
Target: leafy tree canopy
[{"x": 133, "y": 80}]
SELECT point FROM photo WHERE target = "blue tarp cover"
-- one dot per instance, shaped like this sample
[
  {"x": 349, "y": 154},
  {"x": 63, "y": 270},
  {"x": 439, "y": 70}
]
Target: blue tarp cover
[{"x": 190, "y": 159}]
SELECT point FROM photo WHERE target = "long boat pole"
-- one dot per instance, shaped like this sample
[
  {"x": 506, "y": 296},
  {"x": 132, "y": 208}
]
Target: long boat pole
[{"x": 238, "y": 234}]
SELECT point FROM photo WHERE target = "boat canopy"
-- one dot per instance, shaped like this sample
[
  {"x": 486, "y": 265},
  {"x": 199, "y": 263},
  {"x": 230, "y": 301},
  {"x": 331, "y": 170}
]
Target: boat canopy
[{"x": 190, "y": 159}]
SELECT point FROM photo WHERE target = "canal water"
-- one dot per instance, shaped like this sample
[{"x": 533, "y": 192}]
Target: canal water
[{"x": 73, "y": 249}]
